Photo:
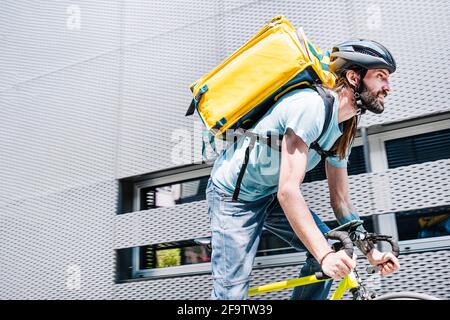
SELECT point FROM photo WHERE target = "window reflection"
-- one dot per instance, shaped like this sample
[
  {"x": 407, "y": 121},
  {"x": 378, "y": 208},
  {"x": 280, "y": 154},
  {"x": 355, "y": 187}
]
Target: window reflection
[
  {"x": 170, "y": 195},
  {"x": 424, "y": 223},
  {"x": 160, "y": 257}
]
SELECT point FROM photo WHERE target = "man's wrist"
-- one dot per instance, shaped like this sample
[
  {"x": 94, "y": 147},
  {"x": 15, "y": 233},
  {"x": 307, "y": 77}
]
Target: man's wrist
[
  {"x": 365, "y": 246},
  {"x": 324, "y": 256},
  {"x": 371, "y": 252}
]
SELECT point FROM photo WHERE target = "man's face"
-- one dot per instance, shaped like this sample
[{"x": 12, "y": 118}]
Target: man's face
[{"x": 376, "y": 88}]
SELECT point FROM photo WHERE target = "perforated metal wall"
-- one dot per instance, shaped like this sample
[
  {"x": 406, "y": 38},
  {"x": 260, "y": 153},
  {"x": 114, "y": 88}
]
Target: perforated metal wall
[
  {"x": 56, "y": 246},
  {"x": 411, "y": 29},
  {"x": 59, "y": 111},
  {"x": 94, "y": 91},
  {"x": 38, "y": 38},
  {"x": 386, "y": 192}
]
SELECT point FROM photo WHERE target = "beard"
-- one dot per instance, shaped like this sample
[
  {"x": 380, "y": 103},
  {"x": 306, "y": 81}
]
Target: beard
[{"x": 373, "y": 101}]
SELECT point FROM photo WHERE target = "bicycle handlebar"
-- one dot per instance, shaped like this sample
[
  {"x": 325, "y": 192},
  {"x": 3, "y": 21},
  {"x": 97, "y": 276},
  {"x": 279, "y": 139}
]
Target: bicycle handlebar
[
  {"x": 347, "y": 245},
  {"x": 394, "y": 245},
  {"x": 344, "y": 238},
  {"x": 394, "y": 248}
]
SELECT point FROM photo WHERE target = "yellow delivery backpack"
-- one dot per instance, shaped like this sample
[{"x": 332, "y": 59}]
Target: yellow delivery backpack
[
  {"x": 232, "y": 97},
  {"x": 276, "y": 60}
]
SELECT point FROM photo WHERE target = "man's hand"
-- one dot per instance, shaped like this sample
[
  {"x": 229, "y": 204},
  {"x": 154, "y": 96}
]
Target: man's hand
[
  {"x": 338, "y": 264},
  {"x": 386, "y": 261}
]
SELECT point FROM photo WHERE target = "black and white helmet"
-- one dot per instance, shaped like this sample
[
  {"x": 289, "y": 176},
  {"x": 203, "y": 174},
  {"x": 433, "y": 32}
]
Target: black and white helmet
[
  {"x": 363, "y": 55},
  {"x": 366, "y": 54}
]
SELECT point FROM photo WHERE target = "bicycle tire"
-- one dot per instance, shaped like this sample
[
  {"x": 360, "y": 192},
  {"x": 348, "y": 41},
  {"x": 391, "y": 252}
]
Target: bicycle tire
[{"x": 405, "y": 295}]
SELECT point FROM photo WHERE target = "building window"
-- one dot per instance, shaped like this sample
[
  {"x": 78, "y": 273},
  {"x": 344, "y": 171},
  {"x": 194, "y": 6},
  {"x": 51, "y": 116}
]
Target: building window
[
  {"x": 173, "y": 194},
  {"x": 423, "y": 223},
  {"x": 163, "y": 189},
  {"x": 356, "y": 162},
  {"x": 174, "y": 254},
  {"x": 356, "y": 165},
  {"x": 420, "y": 148}
]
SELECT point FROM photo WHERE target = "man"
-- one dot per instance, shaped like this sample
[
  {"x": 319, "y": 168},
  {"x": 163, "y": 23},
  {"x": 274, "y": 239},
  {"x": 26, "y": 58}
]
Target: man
[{"x": 272, "y": 198}]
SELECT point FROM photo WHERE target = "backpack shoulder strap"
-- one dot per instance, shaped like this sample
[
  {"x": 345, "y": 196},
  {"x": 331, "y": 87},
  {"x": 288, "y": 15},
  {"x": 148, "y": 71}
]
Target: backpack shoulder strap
[
  {"x": 249, "y": 149},
  {"x": 328, "y": 101}
]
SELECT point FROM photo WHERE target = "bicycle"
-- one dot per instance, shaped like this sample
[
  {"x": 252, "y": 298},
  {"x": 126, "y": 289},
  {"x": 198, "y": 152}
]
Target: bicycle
[{"x": 346, "y": 235}]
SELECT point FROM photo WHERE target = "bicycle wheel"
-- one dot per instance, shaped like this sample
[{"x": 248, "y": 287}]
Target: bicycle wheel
[{"x": 405, "y": 295}]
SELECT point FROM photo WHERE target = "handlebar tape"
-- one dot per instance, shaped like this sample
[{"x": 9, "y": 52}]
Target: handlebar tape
[
  {"x": 347, "y": 244},
  {"x": 395, "y": 252}
]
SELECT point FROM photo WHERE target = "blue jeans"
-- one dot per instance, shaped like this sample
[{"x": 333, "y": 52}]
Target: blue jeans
[{"x": 236, "y": 230}]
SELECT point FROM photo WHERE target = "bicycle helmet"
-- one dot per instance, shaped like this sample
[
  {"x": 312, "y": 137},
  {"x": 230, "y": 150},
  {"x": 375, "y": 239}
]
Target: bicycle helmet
[
  {"x": 366, "y": 54},
  {"x": 363, "y": 55}
]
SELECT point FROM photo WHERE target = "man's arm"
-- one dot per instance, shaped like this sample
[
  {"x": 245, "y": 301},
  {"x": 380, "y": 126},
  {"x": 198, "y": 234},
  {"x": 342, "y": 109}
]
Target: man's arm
[
  {"x": 339, "y": 194},
  {"x": 345, "y": 212},
  {"x": 294, "y": 156},
  {"x": 340, "y": 201}
]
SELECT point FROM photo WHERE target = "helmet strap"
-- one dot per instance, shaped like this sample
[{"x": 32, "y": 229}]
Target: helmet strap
[{"x": 360, "y": 108}]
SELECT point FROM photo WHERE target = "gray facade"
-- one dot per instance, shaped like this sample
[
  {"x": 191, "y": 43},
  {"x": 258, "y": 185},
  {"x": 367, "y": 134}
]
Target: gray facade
[{"x": 95, "y": 91}]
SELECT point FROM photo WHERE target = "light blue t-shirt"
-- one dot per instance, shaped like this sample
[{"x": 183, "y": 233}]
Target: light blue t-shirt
[{"x": 301, "y": 110}]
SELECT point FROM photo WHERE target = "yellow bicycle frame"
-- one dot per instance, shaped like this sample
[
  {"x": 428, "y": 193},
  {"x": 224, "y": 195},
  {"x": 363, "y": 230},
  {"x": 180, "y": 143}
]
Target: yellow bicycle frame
[{"x": 349, "y": 282}]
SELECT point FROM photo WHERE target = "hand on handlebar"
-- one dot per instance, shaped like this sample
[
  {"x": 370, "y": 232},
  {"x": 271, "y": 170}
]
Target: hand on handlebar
[
  {"x": 338, "y": 264},
  {"x": 386, "y": 262}
]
